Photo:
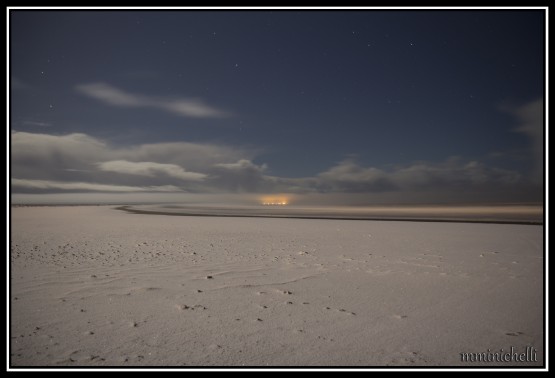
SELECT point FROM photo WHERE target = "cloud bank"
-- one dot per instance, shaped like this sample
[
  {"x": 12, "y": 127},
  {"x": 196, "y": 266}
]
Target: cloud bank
[{"x": 73, "y": 163}]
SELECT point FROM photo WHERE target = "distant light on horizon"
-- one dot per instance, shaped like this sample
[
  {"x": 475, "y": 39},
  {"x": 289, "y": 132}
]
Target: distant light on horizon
[
  {"x": 275, "y": 200},
  {"x": 274, "y": 203}
]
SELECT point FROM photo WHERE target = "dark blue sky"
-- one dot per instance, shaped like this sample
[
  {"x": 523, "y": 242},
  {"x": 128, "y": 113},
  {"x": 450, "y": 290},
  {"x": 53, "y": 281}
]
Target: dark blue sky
[{"x": 298, "y": 93}]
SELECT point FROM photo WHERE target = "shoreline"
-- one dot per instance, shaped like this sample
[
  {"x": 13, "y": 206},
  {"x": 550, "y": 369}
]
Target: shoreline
[{"x": 196, "y": 213}]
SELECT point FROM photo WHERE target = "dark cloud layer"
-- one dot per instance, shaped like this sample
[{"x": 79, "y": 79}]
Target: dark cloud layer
[{"x": 72, "y": 163}]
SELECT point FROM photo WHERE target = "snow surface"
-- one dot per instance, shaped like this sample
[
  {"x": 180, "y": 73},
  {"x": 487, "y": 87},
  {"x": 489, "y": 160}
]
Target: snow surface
[{"x": 95, "y": 286}]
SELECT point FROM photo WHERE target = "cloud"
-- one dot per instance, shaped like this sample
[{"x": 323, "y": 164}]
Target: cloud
[
  {"x": 348, "y": 176},
  {"x": 241, "y": 176},
  {"x": 38, "y": 143},
  {"x": 111, "y": 95},
  {"x": 453, "y": 173},
  {"x": 530, "y": 118},
  {"x": 193, "y": 108},
  {"x": 190, "y": 108},
  {"x": 36, "y": 123},
  {"x": 35, "y": 153},
  {"x": 44, "y": 156},
  {"x": 195, "y": 156},
  {"x": 87, "y": 186},
  {"x": 150, "y": 169},
  {"x": 453, "y": 180},
  {"x": 243, "y": 165},
  {"x": 85, "y": 159},
  {"x": 18, "y": 85},
  {"x": 43, "y": 163}
]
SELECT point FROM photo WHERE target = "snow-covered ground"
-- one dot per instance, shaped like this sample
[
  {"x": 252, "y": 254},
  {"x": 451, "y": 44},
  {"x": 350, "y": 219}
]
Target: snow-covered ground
[{"x": 94, "y": 286}]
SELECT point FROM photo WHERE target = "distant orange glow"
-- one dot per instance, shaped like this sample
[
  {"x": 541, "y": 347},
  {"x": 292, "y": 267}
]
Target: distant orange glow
[{"x": 275, "y": 200}]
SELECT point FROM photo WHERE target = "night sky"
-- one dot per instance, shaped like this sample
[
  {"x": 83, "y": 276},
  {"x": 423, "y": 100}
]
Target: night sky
[{"x": 328, "y": 107}]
